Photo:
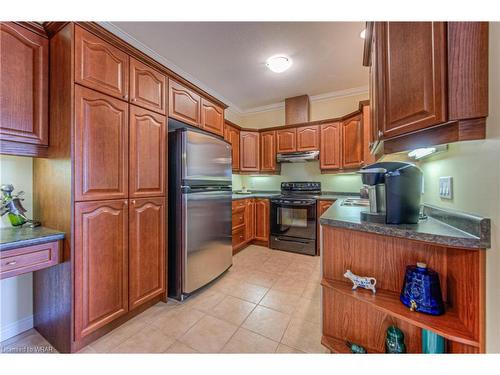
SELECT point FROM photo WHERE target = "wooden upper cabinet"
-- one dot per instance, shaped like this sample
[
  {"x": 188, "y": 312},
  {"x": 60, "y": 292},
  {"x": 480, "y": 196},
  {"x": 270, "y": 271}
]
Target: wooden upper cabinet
[
  {"x": 99, "y": 65},
  {"x": 147, "y": 250},
  {"x": 249, "y": 151},
  {"x": 148, "y": 153},
  {"x": 330, "y": 146},
  {"x": 212, "y": 117},
  {"x": 24, "y": 72},
  {"x": 286, "y": 140},
  {"x": 100, "y": 264},
  {"x": 413, "y": 76},
  {"x": 262, "y": 219},
  {"x": 352, "y": 143},
  {"x": 368, "y": 157},
  {"x": 101, "y": 146},
  {"x": 268, "y": 151},
  {"x": 232, "y": 135},
  {"x": 183, "y": 103},
  {"x": 147, "y": 87},
  {"x": 308, "y": 138}
]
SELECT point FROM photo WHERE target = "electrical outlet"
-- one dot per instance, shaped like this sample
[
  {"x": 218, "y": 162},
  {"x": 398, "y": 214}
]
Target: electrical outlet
[{"x": 446, "y": 187}]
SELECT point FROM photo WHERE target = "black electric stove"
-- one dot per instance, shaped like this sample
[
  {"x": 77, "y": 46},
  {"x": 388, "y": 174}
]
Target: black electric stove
[{"x": 293, "y": 217}]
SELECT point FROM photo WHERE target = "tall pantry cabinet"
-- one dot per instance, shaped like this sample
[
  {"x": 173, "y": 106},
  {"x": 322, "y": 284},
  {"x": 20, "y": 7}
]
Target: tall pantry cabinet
[{"x": 107, "y": 172}]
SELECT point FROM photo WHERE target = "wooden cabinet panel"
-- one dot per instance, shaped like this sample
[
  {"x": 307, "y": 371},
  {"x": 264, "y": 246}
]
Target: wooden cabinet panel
[
  {"x": 352, "y": 143},
  {"x": 238, "y": 237},
  {"x": 238, "y": 218},
  {"x": 268, "y": 151},
  {"x": 368, "y": 157},
  {"x": 148, "y": 154},
  {"x": 212, "y": 117},
  {"x": 147, "y": 250},
  {"x": 24, "y": 72},
  {"x": 232, "y": 135},
  {"x": 101, "y": 146},
  {"x": 308, "y": 138},
  {"x": 147, "y": 87},
  {"x": 286, "y": 140},
  {"x": 262, "y": 219},
  {"x": 99, "y": 65},
  {"x": 321, "y": 208},
  {"x": 183, "y": 104},
  {"x": 249, "y": 151},
  {"x": 249, "y": 220},
  {"x": 414, "y": 74},
  {"x": 330, "y": 147},
  {"x": 100, "y": 264}
]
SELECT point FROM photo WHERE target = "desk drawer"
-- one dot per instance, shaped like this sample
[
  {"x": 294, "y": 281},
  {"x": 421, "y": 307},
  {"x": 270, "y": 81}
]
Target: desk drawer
[{"x": 28, "y": 259}]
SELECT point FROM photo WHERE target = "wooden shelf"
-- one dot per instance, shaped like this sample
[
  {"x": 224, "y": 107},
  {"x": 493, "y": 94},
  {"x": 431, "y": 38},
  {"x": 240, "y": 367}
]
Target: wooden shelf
[
  {"x": 339, "y": 347},
  {"x": 447, "y": 325}
]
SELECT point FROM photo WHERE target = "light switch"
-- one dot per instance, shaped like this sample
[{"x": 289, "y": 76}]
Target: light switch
[{"x": 446, "y": 187}]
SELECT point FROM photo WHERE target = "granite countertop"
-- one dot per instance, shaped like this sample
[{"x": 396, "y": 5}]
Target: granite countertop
[
  {"x": 13, "y": 238},
  {"x": 443, "y": 227}
]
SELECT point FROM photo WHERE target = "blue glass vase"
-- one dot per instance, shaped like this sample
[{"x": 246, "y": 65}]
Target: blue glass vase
[{"x": 422, "y": 291}]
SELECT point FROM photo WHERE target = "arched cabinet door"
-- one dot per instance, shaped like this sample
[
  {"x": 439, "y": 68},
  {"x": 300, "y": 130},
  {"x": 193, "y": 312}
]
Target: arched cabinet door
[
  {"x": 268, "y": 151},
  {"x": 330, "y": 146},
  {"x": 100, "y": 264},
  {"x": 147, "y": 250},
  {"x": 147, "y": 87},
  {"x": 352, "y": 143},
  {"x": 101, "y": 146},
  {"x": 99, "y": 65},
  {"x": 308, "y": 138},
  {"x": 249, "y": 151},
  {"x": 286, "y": 140},
  {"x": 148, "y": 153},
  {"x": 183, "y": 104},
  {"x": 212, "y": 117},
  {"x": 24, "y": 73}
]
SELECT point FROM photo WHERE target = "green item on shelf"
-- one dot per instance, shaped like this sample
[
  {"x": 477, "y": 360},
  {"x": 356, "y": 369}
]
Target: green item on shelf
[
  {"x": 11, "y": 206},
  {"x": 395, "y": 341},
  {"x": 432, "y": 343},
  {"x": 355, "y": 348}
]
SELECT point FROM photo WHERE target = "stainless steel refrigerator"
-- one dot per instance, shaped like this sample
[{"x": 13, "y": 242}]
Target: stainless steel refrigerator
[{"x": 200, "y": 246}]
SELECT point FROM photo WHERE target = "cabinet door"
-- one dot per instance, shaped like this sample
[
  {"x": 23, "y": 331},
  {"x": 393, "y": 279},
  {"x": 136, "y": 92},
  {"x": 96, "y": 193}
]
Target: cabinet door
[
  {"x": 308, "y": 138},
  {"x": 100, "y": 264},
  {"x": 148, "y": 153},
  {"x": 268, "y": 151},
  {"x": 262, "y": 219},
  {"x": 352, "y": 143},
  {"x": 249, "y": 151},
  {"x": 147, "y": 250},
  {"x": 321, "y": 208},
  {"x": 212, "y": 117},
  {"x": 368, "y": 157},
  {"x": 286, "y": 140},
  {"x": 234, "y": 139},
  {"x": 101, "y": 146},
  {"x": 414, "y": 76},
  {"x": 24, "y": 72},
  {"x": 183, "y": 104},
  {"x": 147, "y": 87},
  {"x": 250, "y": 220},
  {"x": 99, "y": 65},
  {"x": 330, "y": 146}
]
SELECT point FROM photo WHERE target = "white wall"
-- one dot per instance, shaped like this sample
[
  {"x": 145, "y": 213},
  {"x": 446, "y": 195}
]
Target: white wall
[{"x": 16, "y": 293}]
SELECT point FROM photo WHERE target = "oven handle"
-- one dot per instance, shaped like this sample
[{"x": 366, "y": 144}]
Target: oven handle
[
  {"x": 287, "y": 240},
  {"x": 294, "y": 204}
]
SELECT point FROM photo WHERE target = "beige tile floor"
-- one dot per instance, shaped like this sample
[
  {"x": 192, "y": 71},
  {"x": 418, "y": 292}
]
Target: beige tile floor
[{"x": 268, "y": 302}]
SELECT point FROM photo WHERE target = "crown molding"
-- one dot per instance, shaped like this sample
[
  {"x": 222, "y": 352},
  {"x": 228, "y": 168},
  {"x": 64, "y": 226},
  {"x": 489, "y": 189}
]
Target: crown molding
[{"x": 164, "y": 61}]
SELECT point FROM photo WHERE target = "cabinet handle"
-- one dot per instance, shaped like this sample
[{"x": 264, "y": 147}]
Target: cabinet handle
[
  {"x": 11, "y": 263},
  {"x": 134, "y": 100},
  {"x": 133, "y": 201},
  {"x": 125, "y": 97},
  {"x": 125, "y": 203},
  {"x": 380, "y": 133}
]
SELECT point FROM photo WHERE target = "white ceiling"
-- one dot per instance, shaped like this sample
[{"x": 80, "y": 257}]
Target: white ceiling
[{"x": 228, "y": 58}]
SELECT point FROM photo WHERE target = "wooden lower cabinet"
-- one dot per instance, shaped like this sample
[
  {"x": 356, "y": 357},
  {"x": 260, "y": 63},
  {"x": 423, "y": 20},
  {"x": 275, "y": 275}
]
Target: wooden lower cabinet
[
  {"x": 321, "y": 208},
  {"x": 250, "y": 220},
  {"x": 100, "y": 264},
  {"x": 146, "y": 250},
  {"x": 262, "y": 219}
]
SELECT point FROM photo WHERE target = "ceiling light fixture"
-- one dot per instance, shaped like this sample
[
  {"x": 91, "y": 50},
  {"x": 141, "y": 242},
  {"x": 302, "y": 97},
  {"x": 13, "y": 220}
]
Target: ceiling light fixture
[
  {"x": 278, "y": 63},
  {"x": 362, "y": 34}
]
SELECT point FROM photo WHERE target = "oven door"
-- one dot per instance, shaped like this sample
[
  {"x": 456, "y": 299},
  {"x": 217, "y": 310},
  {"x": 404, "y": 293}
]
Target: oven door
[{"x": 293, "y": 220}]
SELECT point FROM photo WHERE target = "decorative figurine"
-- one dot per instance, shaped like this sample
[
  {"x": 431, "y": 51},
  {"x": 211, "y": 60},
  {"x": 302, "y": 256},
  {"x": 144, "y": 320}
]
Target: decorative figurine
[
  {"x": 422, "y": 291},
  {"x": 355, "y": 348},
  {"x": 11, "y": 205},
  {"x": 432, "y": 343},
  {"x": 363, "y": 282},
  {"x": 395, "y": 341}
]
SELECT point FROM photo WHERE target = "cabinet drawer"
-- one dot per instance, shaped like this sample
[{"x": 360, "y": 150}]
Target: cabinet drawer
[
  {"x": 238, "y": 218},
  {"x": 28, "y": 259},
  {"x": 238, "y": 236},
  {"x": 238, "y": 204}
]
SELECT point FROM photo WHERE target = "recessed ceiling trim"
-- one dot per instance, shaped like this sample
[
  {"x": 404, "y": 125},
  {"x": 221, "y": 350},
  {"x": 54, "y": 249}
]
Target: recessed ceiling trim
[
  {"x": 315, "y": 98},
  {"x": 162, "y": 60}
]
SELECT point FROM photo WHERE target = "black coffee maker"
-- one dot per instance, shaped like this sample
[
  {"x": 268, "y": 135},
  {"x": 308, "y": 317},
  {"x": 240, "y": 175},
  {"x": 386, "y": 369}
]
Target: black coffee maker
[{"x": 394, "y": 190}]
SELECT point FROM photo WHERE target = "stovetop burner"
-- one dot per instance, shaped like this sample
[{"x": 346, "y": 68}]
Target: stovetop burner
[{"x": 299, "y": 192}]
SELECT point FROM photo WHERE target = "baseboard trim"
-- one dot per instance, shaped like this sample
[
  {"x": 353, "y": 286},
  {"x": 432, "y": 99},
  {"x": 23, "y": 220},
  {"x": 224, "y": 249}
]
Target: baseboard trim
[{"x": 15, "y": 328}]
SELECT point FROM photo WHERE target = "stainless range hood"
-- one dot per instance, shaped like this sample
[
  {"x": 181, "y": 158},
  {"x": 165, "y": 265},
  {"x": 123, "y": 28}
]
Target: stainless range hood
[{"x": 297, "y": 157}]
